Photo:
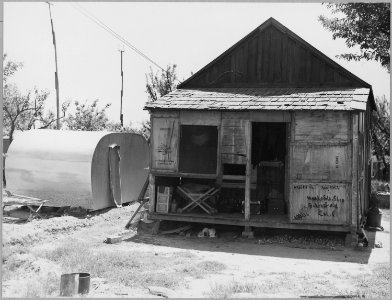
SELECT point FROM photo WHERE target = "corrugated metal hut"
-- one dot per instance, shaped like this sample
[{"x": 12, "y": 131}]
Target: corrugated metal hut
[
  {"x": 90, "y": 169},
  {"x": 277, "y": 127}
]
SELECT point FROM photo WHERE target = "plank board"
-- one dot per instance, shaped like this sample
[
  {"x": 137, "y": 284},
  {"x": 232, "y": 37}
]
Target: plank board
[
  {"x": 319, "y": 203},
  {"x": 233, "y": 148},
  {"x": 248, "y": 146},
  {"x": 165, "y": 144},
  {"x": 321, "y": 126},
  {"x": 165, "y": 114},
  {"x": 200, "y": 118},
  {"x": 355, "y": 185},
  {"x": 321, "y": 162},
  {"x": 270, "y": 116},
  {"x": 272, "y": 55}
]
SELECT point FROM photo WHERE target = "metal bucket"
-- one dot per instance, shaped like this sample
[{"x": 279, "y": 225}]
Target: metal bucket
[
  {"x": 374, "y": 217},
  {"x": 84, "y": 283},
  {"x": 74, "y": 283}
]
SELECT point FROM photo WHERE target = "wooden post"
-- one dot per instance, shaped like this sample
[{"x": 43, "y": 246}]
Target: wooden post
[
  {"x": 219, "y": 154},
  {"x": 248, "y": 143},
  {"x": 354, "y": 187},
  {"x": 152, "y": 193}
]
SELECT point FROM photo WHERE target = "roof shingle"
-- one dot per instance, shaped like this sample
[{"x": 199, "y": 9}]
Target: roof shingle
[{"x": 263, "y": 99}]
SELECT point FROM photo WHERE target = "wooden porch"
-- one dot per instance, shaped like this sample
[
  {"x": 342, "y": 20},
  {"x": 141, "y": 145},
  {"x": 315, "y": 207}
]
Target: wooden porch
[{"x": 261, "y": 221}]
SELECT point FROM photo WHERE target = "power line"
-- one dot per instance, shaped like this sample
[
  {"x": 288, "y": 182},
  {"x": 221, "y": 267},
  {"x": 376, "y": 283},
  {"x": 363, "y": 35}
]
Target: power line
[{"x": 113, "y": 33}]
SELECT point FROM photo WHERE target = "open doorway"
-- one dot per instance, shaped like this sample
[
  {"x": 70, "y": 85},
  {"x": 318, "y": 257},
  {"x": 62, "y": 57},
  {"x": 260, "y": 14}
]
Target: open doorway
[{"x": 269, "y": 164}]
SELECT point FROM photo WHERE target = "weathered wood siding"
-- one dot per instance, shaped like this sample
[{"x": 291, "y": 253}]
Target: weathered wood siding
[
  {"x": 164, "y": 156},
  {"x": 320, "y": 168},
  {"x": 271, "y": 56},
  {"x": 320, "y": 203},
  {"x": 321, "y": 163},
  {"x": 319, "y": 126},
  {"x": 233, "y": 149}
]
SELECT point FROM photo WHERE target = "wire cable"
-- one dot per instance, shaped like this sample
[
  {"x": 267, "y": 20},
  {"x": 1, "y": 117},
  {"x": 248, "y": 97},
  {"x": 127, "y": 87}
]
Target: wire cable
[{"x": 113, "y": 33}]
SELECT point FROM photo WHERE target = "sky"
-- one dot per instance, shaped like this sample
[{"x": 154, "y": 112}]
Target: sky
[{"x": 188, "y": 34}]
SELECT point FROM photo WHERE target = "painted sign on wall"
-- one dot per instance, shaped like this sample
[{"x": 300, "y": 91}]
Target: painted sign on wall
[{"x": 319, "y": 203}]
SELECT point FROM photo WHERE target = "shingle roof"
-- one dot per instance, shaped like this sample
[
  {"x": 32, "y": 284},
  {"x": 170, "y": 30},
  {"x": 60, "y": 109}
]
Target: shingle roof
[{"x": 263, "y": 99}]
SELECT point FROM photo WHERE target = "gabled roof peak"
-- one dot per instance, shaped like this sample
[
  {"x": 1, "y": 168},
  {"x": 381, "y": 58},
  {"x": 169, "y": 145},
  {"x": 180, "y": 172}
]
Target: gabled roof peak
[{"x": 267, "y": 56}]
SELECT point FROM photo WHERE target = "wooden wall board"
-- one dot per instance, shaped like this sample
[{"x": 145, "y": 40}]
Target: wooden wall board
[
  {"x": 233, "y": 148},
  {"x": 165, "y": 133},
  {"x": 367, "y": 155},
  {"x": 200, "y": 118},
  {"x": 272, "y": 55},
  {"x": 152, "y": 193},
  {"x": 164, "y": 114},
  {"x": 320, "y": 203},
  {"x": 323, "y": 163},
  {"x": 248, "y": 145},
  {"x": 354, "y": 185},
  {"x": 321, "y": 126},
  {"x": 287, "y": 164},
  {"x": 242, "y": 115},
  {"x": 270, "y": 116}
]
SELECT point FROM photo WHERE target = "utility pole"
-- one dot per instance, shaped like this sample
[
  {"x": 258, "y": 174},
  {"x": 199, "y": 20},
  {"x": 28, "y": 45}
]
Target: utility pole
[
  {"x": 56, "y": 74},
  {"x": 122, "y": 85}
]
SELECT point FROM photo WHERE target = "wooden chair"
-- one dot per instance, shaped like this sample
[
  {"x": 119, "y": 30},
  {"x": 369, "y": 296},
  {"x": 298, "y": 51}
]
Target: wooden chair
[{"x": 198, "y": 199}]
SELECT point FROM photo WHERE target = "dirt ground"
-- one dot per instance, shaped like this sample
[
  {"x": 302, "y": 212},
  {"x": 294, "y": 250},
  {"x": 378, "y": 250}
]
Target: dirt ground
[{"x": 35, "y": 254}]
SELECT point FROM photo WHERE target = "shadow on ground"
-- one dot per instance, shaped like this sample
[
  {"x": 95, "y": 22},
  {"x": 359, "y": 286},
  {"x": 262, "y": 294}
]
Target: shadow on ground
[{"x": 283, "y": 244}]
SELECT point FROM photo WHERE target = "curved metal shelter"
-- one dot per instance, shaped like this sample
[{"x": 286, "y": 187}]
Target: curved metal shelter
[{"x": 75, "y": 168}]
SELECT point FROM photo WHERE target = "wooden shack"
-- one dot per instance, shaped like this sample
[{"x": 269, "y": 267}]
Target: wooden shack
[{"x": 280, "y": 130}]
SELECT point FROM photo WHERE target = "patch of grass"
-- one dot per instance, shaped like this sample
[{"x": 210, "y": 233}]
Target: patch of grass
[
  {"x": 227, "y": 290},
  {"x": 200, "y": 269},
  {"x": 44, "y": 285},
  {"x": 137, "y": 268},
  {"x": 375, "y": 285},
  {"x": 288, "y": 284},
  {"x": 14, "y": 258},
  {"x": 211, "y": 266}
]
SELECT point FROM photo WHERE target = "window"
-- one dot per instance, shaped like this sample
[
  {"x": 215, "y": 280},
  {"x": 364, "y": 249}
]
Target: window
[{"x": 198, "y": 149}]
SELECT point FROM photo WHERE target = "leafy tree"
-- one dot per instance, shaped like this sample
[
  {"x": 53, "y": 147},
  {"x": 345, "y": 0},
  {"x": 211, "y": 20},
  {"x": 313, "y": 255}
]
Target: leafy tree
[
  {"x": 9, "y": 68},
  {"x": 161, "y": 83},
  {"x": 116, "y": 127},
  {"x": 22, "y": 111},
  {"x": 380, "y": 133},
  {"x": 87, "y": 117},
  {"x": 366, "y": 25},
  {"x": 158, "y": 85}
]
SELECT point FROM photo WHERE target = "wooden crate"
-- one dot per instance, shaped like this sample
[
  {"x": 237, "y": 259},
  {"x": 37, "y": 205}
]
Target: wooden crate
[{"x": 164, "y": 195}]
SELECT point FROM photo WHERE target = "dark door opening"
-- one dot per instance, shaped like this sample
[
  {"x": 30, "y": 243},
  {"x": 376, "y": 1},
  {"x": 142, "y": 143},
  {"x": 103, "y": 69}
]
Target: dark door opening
[
  {"x": 198, "y": 149},
  {"x": 268, "y": 162}
]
